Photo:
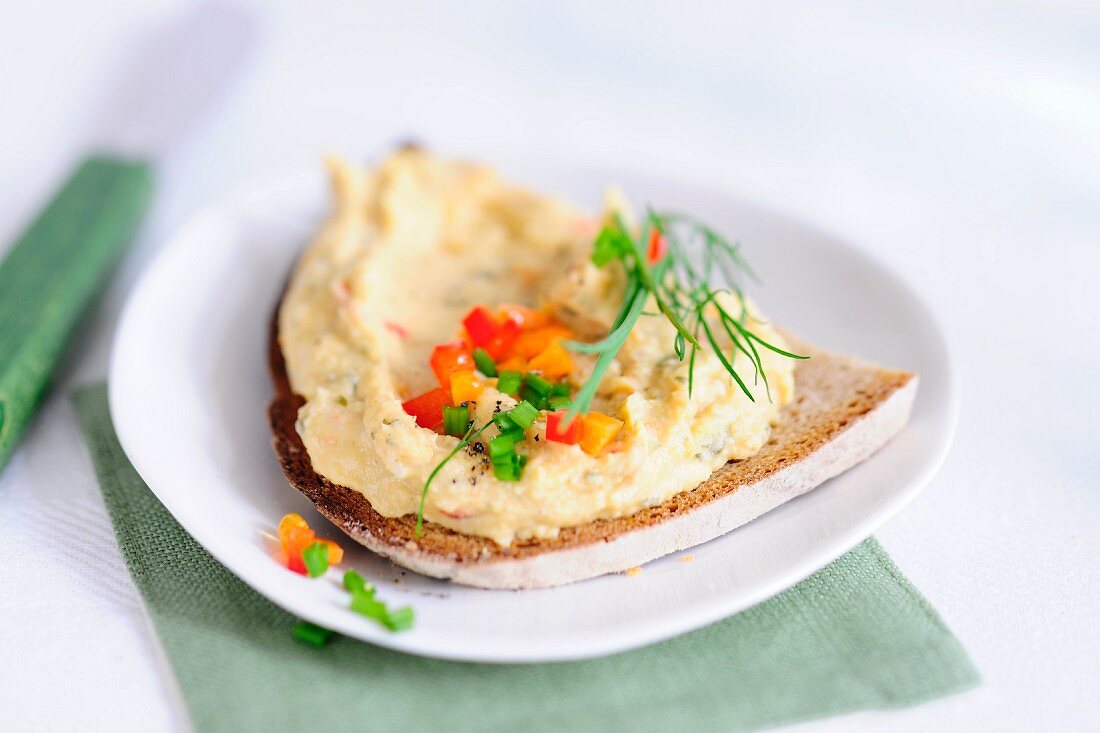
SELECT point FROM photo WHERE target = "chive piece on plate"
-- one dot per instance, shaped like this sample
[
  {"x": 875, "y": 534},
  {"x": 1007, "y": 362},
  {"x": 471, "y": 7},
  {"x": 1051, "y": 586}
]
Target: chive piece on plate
[
  {"x": 355, "y": 582},
  {"x": 456, "y": 420},
  {"x": 509, "y": 381},
  {"x": 312, "y": 633},
  {"x": 484, "y": 362},
  {"x": 315, "y": 557},
  {"x": 561, "y": 389},
  {"x": 399, "y": 620}
]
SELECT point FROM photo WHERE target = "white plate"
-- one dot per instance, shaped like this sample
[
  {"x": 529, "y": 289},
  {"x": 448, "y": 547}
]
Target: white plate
[{"x": 189, "y": 388}]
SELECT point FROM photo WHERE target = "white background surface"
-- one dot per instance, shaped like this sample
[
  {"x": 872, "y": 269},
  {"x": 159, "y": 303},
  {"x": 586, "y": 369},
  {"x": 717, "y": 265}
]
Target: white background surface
[{"x": 962, "y": 144}]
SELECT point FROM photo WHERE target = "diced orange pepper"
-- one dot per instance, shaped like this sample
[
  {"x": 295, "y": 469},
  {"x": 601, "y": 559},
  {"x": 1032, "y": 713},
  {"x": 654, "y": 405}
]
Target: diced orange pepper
[
  {"x": 294, "y": 537},
  {"x": 335, "y": 552},
  {"x": 465, "y": 386},
  {"x": 597, "y": 430},
  {"x": 554, "y": 361},
  {"x": 532, "y": 343},
  {"x": 513, "y": 363},
  {"x": 291, "y": 520},
  {"x": 525, "y": 317}
]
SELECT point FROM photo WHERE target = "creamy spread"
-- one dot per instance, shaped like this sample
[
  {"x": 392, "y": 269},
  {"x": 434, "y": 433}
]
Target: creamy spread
[{"x": 408, "y": 249}]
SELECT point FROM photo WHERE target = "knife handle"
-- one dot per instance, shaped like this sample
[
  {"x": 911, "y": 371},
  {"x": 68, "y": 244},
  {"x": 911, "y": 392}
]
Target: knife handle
[{"x": 53, "y": 273}]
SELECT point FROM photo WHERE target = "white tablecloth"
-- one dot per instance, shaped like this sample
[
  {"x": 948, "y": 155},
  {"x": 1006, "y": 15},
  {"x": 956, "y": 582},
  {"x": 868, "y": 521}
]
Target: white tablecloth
[{"x": 962, "y": 144}]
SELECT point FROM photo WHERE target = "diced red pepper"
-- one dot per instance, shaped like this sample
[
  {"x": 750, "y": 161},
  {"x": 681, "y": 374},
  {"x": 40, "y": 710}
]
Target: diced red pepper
[
  {"x": 500, "y": 345},
  {"x": 450, "y": 357},
  {"x": 481, "y": 325},
  {"x": 428, "y": 407},
  {"x": 658, "y": 246},
  {"x": 555, "y": 430}
]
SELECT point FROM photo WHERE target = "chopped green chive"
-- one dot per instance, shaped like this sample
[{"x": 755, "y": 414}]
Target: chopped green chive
[
  {"x": 509, "y": 382},
  {"x": 315, "y": 557},
  {"x": 524, "y": 414},
  {"x": 400, "y": 620},
  {"x": 312, "y": 633},
  {"x": 355, "y": 582},
  {"x": 501, "y": 446},
  {"x": 509, "y": 467},
  {"x": 456, "y": 420},
  {"x": 484, "y": 362},
  {"x": 504, "y": 422},
  {"x": 538, "y": 384},
  {"x": 364, "y": 603},
  {"x": 558, "y": 403},
  {"x": 535, "y": 390},
  {"x": 561, "y": 389}
]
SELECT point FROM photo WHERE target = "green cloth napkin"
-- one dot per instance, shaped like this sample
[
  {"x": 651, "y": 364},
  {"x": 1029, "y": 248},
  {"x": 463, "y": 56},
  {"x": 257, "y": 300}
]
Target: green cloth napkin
[{"x": 855, "y": 635}]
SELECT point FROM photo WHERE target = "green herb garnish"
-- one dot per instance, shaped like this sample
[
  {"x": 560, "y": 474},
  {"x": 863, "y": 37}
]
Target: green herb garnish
[
  {"x": 509, "y": 382},
  {"x": 558, "y": 403},
  {"x": 484, "y": 362},
  {"x": 501, "y": 446},
  {"x": 524, "y": 414},
  {"x": 355, "y": 582},
  {"x": 364, "y": 603},
  {"x": 536, "y": 390},
  {"x": 682, "y": 293},
  {"x": 315, "y": 557},
  {"x": 312, "y": 633},
  {"x": 456, "y": 420},
  {"x": 509, "y": 467}
]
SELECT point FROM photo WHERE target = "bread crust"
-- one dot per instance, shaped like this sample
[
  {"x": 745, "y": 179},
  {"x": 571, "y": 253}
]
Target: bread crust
[{"x": 843, "y": 411}]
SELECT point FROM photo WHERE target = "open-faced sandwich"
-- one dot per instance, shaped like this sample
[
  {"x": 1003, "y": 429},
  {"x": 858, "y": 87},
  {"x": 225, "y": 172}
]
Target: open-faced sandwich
[{"x": 487, "y": 385}]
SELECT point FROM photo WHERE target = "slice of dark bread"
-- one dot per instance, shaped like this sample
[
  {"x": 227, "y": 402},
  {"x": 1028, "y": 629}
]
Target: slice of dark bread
[{"x": 843, "y": 411}]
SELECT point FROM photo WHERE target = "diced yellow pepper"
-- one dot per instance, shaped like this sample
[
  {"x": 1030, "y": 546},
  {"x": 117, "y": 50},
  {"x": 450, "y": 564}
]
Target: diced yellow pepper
[
  {"x": 554, "y": 361},
  {"x": 597, "y": 430},
  {"x": 465, "y": 386}
]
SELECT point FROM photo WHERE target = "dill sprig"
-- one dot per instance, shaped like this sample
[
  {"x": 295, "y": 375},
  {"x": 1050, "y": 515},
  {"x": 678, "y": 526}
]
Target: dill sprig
[{"x": 683, "y": 294}]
